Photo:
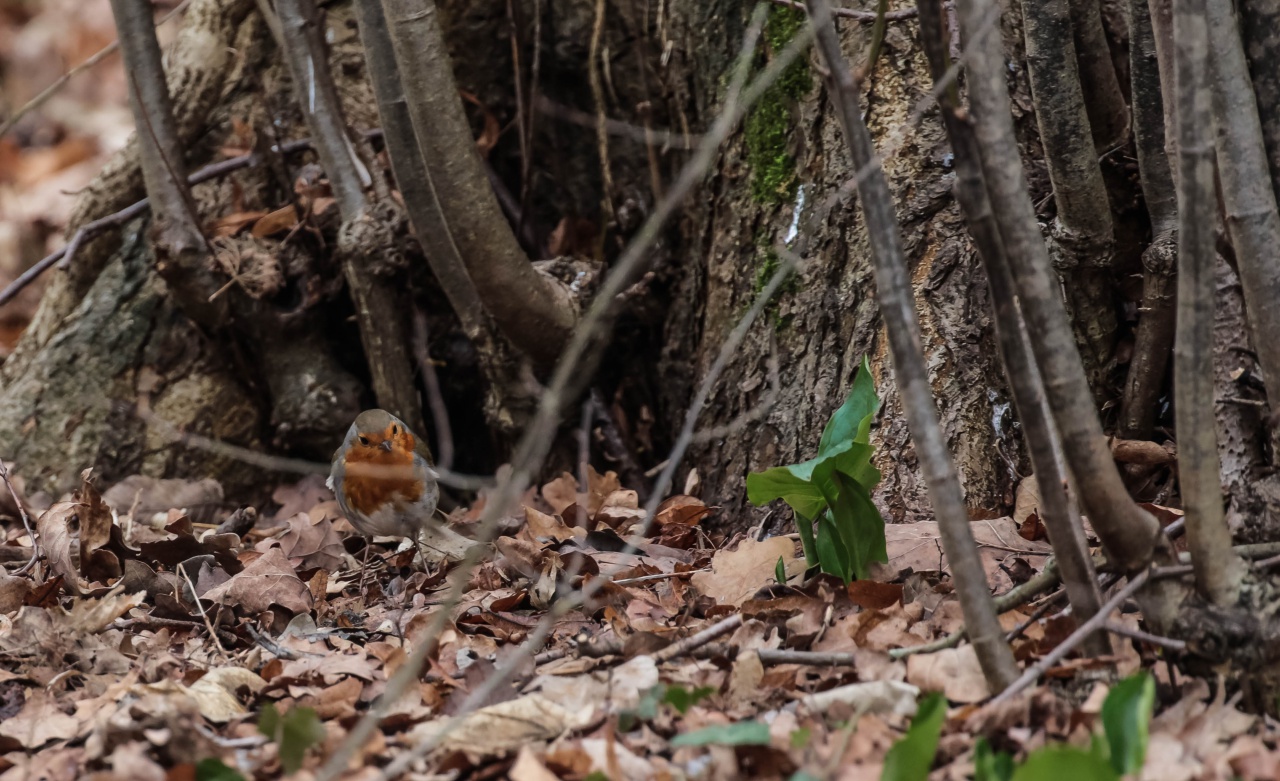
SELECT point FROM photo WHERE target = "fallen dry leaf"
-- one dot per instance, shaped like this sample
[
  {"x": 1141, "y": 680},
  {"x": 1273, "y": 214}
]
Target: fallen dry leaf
[
  {"x": 503, "y": 727},
  {"x": 953, "y": 671},
  {"x": 39, "y": 722},
  {"x": 740, "y": 573},
  {"x": 268, "y": 580}
]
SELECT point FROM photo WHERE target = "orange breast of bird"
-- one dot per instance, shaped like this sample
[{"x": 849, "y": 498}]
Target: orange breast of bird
[{"x": 375, "y": 478}]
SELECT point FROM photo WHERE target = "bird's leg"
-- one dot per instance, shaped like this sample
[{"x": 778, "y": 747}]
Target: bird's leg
[
  {"x": 364, "y": 569},
  {"x": 422, "y": 552}
]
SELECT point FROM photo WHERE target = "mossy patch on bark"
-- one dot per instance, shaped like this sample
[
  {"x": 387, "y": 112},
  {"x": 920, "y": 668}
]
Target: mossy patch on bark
[{"x": 771, "y": 121}]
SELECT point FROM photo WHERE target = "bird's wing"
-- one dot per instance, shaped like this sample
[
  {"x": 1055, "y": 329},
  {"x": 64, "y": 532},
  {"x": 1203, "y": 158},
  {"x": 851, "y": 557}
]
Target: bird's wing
[
  {"x": 421, "y": 447},
  {"x": 336, "y": 472}
]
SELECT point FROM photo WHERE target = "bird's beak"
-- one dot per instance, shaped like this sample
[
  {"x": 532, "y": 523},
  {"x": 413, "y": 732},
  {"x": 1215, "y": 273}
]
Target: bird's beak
[{"x": 385, "y": 445}]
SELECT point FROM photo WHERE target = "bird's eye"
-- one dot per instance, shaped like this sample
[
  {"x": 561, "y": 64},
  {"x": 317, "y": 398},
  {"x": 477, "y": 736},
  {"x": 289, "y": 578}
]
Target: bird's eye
[
  {"x": 364, "y": 440},
  {"x": 395, "y": 430}
]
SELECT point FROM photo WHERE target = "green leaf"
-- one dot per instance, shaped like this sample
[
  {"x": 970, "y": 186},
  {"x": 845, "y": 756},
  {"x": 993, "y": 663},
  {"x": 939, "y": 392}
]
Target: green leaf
[
  {"x": 1064, "y": 763},
  {"x": 854, "y": 459},
  {"x": 856, "y": 519},
  {"x": 852, "y": 422},
  {"x": 213, "y": 770},
  {"x": 782, "y": 482},
  {"x": 294, "y": 732},
  {"x": 780, "y": 572},
  {"x": 912, "y": 756},
  {"x": 1126, "y": 715},
  {"x": 803, "y": 775},
  {"x": 744, "y": 733},
  {"x": 645, "y": 710},
  {"x": 269, "y": 720},
  {"x": 989, "y": 765},
  {"x": 805, "y": 527},
  {"x": 796, "y": 482},
  {"x": 682, "y": 699},
  {"x": 800, "y": 738},
  {"x": 833, "y": 557}
]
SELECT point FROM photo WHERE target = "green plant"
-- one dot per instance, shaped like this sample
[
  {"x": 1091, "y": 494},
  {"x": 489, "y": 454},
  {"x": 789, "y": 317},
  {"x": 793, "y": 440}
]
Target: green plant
[
  {"x": 1120, "y": 750},
  {"x": 833, "y": 490},
  {"x": 912, "y": 756},
  {"x": 293, "y": 732},
  {"x": 678, "y": 697},
  {"x": 213, "y": 769},
  {"x": 742, "y": 733}
]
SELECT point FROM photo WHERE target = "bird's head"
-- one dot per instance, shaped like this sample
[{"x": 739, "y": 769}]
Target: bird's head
[{"x": 378, "y": 436}]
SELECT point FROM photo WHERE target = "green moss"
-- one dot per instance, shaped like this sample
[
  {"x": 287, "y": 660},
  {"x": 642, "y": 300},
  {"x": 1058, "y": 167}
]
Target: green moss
[
  {"x": 769, "y": 125},
  {"x": 768, "y": 267}
]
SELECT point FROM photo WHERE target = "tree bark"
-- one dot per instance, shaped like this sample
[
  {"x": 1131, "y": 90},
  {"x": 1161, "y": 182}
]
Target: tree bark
[
  {"x": 660, "y": 77},
  {"x": 825, "y": 324}
]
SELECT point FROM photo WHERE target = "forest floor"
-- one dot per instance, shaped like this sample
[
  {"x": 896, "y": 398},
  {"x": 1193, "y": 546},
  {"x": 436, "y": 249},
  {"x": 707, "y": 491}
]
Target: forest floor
[
  {"x": 697, "y": 657},
  {"x": 691, "y": 661}
]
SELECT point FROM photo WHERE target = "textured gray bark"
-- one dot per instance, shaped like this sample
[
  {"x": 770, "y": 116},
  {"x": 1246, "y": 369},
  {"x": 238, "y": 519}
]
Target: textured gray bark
[
  {"x": 1061, "y": 520},
  {"x": 1218, "y": 569},
  {"x": 1127, "y": 532},
  {"x": 1252, "y": 215},
  {"x": 829, "y": 320},
  {"x": 1154, "y": 339},
  {"x": 1260, "y": 27}
]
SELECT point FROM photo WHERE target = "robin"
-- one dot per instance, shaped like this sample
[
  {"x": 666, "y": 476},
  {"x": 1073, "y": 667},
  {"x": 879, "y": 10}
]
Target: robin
[{"x": 383, "y": 479}]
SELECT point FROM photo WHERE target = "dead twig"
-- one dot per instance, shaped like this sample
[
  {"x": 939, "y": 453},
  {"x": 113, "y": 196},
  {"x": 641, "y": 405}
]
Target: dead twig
[
  {"x": 282, "y": 463},
  {"x": 682, "y": 647},
  {"x": 97, "y": 57},
  {"x": 902, "y": 323},
  {"x": 665, "y": 139},
  {"x": 576, "y": 363},
  {"x": 659, "y": 576},
  {"x": 1137, "y": 634},
  {"x": 213, "y": 633},
  {"x": 435, "y": 397},
  {"x": 1096, "y": 622},
  {"x": 811, "y": 658},
  {"x": 26, "y": 521},
  {"x": 63, "y": 257}
]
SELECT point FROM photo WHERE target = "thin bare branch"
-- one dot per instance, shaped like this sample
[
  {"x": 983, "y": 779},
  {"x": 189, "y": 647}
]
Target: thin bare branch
[
  {"x": 26, "y": 520},
  {"x": 1248, "y": 199},
  {"x": 97, "y": 57},
  {"x": 602, "y": 134},
  {"x": 1168, "y": 643},
  {"x": 161, "y": 151},
  {"x": 1128, "y": 533},
  {"x": 574, "y": 364},
  {"x": 1218, "y": 570},
  {"x": 435, "y": 398},
  {"x": 380, "y": 310},
  {"x": 662, "y": 138},
  {"x": 1066, "y": 533},
  {"x": 1073, "y": 640},
  {"x": 853, "y": 13},
  {"x": 897, "y": 307},
  {"x": 533, "y": 311},
  {"x": 682, "y": 647},
  {"x": 63, "y": 257}
]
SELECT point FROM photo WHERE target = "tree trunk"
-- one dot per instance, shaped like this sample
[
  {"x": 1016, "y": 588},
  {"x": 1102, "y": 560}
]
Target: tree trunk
[
  {"x": 108, "y": 336},
  {"x": 828, "y": 319}
]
